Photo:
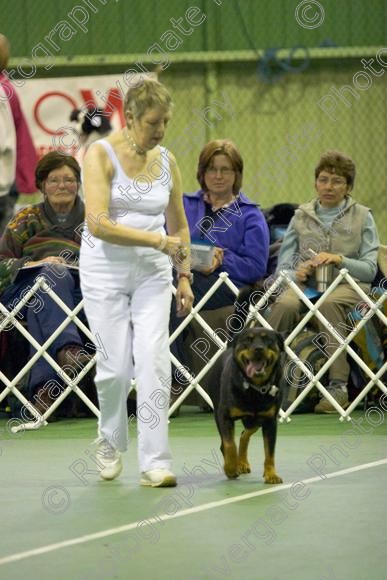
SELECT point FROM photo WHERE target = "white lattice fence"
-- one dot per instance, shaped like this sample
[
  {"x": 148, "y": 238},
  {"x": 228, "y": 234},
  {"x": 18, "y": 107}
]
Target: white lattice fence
[
  {"x": 10, "y": 319},
  {"x": 71, "y": 383},
  {"x": 374, "y": 309}
]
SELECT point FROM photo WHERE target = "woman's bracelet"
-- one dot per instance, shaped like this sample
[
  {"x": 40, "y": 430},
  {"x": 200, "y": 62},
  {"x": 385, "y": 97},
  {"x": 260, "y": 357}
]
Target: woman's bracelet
[
  {"x": 187, "y": 275},
  {"x": 163, "y": 241}
]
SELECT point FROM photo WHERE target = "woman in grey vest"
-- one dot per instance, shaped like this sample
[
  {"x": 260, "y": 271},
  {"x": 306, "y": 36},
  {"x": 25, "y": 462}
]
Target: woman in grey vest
[{"x": 331, "y": 229}]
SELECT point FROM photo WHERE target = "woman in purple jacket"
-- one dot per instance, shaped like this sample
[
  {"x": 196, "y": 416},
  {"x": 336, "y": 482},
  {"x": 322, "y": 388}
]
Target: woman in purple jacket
[{"x": 221, "y": 215}]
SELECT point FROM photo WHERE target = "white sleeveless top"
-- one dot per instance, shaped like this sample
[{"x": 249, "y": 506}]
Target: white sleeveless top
[{"x": 137, "y": 203}]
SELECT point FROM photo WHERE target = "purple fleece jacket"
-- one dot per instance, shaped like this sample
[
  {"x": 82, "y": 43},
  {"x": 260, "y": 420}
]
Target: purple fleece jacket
[{"x": 239, "y": 229}]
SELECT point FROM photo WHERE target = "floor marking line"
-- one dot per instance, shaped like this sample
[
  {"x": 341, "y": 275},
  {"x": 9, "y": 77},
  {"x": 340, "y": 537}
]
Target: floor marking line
[{"x": 204, "y": 507}]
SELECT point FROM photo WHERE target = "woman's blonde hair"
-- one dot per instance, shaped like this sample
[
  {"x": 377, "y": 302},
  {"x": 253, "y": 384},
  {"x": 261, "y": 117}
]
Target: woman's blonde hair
[{"x": 147, "y": 94}]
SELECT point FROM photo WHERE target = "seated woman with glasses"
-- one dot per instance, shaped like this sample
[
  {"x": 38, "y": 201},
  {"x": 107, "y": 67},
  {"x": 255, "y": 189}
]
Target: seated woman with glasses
[
  {"x": 221, "y": 215},
  {"x": 331, "y": 229},
  {"x": 44, "y": 240}
]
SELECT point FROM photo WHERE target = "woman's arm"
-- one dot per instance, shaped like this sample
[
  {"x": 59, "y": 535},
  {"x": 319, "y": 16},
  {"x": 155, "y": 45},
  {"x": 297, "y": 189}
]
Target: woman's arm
[
  {"x": 365, "y": 267},
  {"x": 177, "y": 225},
  {"x": 248, "y": 262},
  {"x": 12, "y": 241},
  {"x": 289, "y": 258},
  {"x": 176, "y": 219}
]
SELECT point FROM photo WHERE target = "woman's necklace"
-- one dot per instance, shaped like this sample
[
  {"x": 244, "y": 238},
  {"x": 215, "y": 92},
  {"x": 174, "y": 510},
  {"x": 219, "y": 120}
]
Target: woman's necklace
[{"x": 134, "y": 145}]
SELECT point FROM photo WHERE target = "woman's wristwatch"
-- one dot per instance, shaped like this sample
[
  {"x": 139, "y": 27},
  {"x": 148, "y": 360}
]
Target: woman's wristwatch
[{"x": 187, "y": 275}]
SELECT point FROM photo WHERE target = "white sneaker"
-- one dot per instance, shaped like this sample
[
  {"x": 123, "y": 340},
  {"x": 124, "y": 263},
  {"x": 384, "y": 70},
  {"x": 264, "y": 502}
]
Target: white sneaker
[
  {"x": 158, "y": 478},
  {"x": 110, "y": 459}
]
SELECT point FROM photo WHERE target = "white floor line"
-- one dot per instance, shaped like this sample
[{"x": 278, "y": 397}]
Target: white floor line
[{"x": 194, "y": 510}]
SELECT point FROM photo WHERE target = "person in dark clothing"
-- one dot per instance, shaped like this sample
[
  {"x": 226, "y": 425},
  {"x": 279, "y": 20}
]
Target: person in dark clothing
[{"x": 43, "y": 240}]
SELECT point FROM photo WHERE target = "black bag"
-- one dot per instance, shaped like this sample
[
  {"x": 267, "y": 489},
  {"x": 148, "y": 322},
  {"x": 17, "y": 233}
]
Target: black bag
[{"x": 277, "y": 218}]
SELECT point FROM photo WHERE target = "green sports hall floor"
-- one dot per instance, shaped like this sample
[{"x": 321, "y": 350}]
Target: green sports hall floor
[{"x": 332, "y": 524}]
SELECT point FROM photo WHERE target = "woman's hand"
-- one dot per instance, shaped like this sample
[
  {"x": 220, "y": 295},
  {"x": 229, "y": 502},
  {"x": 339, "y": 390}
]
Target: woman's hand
[
  {"x": 326, "y": 258},
  {"x": 217, "y": 261},
  {"x": 218, "y": 256},
  {"x": 184, "y": 297},
  {"x": 175, "y": 248},
  {"x": 171, "y": 246},
  {"x": 304, "y": 270}
]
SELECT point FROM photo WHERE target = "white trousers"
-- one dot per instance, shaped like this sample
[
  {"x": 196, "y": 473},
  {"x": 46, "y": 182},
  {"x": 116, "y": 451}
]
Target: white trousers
[{"x": 127, "y": 304}]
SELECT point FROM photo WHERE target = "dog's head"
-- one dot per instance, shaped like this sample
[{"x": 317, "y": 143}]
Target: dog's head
[{"x": 257, "y": 351}]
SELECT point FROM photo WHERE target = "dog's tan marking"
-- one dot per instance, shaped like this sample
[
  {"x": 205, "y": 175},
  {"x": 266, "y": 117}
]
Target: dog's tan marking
[
  {"x": 236, "y": 413},
  {"x": 230, "y": 458},
  {"x": 268, "y": 413},
  {"x": 269, "y": 473},
  {"x": 243, "y": 462}
]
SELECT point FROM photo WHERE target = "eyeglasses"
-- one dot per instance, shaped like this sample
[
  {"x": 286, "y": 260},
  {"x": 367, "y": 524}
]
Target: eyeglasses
[
  {"x": 224, "y": 171},
  {"x": 335, "y": 182},
  {"x": 67, "y": 181}
]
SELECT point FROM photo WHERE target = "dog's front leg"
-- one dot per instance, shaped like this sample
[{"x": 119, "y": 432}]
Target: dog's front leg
[
  {"x": 229, "y": 448},
  {"x": 269, "y": 432},
  {"x": 243, "y": 462}
]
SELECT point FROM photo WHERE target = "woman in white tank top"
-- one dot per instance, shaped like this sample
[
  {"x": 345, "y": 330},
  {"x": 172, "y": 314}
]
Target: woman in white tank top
[{"x": 132, "y": 186}]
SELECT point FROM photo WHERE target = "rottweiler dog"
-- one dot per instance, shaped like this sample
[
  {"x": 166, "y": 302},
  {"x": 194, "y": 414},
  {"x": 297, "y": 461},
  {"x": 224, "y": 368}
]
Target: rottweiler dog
[{"x": 246, "y": 385}]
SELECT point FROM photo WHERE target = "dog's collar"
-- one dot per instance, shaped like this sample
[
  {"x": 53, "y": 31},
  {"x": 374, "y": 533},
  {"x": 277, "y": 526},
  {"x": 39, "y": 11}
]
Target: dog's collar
[{"x": 263, "y": 390}]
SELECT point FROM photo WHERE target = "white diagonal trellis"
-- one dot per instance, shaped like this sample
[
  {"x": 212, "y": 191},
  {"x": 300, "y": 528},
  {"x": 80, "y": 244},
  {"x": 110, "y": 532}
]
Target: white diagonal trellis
[
  {"x": 194, "y": 381},
  {"x": 41, "y": 350},
  {"x": 373, "y": 308}
]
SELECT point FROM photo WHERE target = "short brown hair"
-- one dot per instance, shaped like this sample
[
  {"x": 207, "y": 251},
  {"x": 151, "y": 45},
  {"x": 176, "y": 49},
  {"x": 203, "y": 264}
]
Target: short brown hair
[
  {"x": 146, "y": 95},
  {"x": 338, "y": 163},
  {"x": 221, "y": 147},
  {"x": 55, "y": 160}
]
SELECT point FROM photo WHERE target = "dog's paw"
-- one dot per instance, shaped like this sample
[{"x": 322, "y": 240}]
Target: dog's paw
[
  {"x": 272, "y": 477},
  {"x": 244, "y": 467},
  {"x": 231, "y": 471},
  {"x": 231, "y": 475}
]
